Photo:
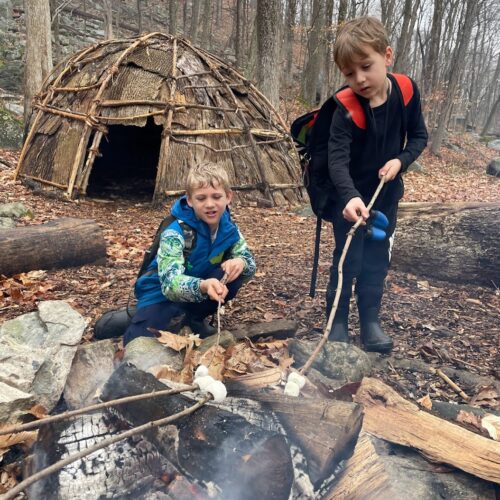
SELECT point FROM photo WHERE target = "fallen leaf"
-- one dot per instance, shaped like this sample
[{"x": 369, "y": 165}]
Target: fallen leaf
[
  {"x": 425, "y": 402},
  {"x": 8, "y": 440},
  {"x": 38, "y": 411},
  {"x": 178, "y": 342},
  {"x": 487, "y": 396},
  {"x": 491, "y": 423}
]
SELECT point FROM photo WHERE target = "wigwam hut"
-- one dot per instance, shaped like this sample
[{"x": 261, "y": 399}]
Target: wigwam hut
[{"x": 138, "y": 113}]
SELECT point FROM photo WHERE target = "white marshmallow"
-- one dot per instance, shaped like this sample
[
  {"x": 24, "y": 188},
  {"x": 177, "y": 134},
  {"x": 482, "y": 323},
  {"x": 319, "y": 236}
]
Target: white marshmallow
[
  {"x": 204, "y": 382},
  {"x": 218, "y": 390},
  {"x": 297, "y": 378},
  {"x": 201, "y": 371},
  {"x": 292, "y": 389}
]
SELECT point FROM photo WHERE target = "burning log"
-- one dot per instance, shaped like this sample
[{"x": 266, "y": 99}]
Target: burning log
[
  {"x": 57, "y": 244},
  {"x": 390, "y": 417},
  {"x": 325, "y": 430},
  {"x": 456, "y": 242},
  {"x": 212, "y": 445}
]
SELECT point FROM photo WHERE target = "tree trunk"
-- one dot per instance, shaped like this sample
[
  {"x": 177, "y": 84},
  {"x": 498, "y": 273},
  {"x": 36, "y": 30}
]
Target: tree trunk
[
  {"x": 315, "y": 53},
  {"x": 239, "y": 39},
  {"x": 139, "y": 17},
  {"x": 38, "y": 50},
  {"x": 107, "y": 6},
  {"x": 172, "y": 17},
  {"x": 268, "y": 49},
  {"x": 291, "y": 14},
  {"x": 388, "y": 416},
  {"x": 458, "y": 63},
  {"x": 404, "y": 40},
  {"x": 431, "y": 64},
  {"x": 206, "y": 25},
  {"x": 456, "y": 242},
  {"x": 491, "y": 116},
  {"x": 195, "y": 19},
  {"x": 57, "y": 244}
]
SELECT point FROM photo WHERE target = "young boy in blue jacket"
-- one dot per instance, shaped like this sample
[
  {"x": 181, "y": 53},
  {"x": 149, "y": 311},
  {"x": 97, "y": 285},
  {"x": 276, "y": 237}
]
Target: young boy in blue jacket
[
  {"x": 175, "y": 282},
  {"x": 382, "y": 140}
]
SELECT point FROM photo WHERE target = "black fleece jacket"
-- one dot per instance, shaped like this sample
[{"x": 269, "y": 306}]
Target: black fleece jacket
[{"x": 356, "y": 155}]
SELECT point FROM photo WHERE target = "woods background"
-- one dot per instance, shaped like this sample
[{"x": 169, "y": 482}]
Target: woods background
[{"x": 450, "y": 47}]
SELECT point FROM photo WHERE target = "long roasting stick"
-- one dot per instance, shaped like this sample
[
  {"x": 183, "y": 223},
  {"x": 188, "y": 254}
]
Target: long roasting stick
[
  {"x": 88, "y": 409},
  {"x": 329, "y": 323},
  {"x": 98, "y": 446}
]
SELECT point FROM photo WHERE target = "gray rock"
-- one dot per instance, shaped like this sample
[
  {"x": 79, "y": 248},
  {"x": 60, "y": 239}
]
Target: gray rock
[
  {"x": 6, "y": 223},
  {"x": 36, "y": 352},
  {"x": 92, "y": 365},
  {"x": 15, "y": 210},
  {"x": 493, "y": 167},
  {"x": 416, "y": 167},
  {"x": 338, "y": 361},
  {"x": 14, "y": 402},
  {"x": 15, "y": 108},
  {"x": 494, "y": 144},
  {"x": 413, "y": 478},
  {"x": 11, "y": 130},
  {"x": 146, "y": 352}
]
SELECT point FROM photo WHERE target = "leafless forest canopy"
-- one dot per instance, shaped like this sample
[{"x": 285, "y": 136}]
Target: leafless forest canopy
[{"x": 450, "y": 47}]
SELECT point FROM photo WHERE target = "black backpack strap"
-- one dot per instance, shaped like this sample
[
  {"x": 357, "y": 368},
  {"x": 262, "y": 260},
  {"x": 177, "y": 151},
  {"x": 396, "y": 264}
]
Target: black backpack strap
[{"x": 314, "y": 273}]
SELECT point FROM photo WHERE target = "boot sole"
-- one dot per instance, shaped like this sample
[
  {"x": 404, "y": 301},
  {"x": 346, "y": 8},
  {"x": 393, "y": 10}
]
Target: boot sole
[{"x": 383, "y": 348}]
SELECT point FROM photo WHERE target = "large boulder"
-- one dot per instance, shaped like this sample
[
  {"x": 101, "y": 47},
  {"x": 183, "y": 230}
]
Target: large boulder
[{"x": 36, "y": 353}]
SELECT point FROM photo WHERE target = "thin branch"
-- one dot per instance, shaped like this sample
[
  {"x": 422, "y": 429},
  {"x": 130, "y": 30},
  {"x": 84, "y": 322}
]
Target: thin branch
[
  {"x": 88, "y": 409},
  {"x": 450, "y": 382},
  {"x": 99, "y": 446}
]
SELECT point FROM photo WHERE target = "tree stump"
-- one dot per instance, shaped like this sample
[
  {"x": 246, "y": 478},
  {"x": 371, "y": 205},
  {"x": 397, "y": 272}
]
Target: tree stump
[{"x": 57, "y": 244}]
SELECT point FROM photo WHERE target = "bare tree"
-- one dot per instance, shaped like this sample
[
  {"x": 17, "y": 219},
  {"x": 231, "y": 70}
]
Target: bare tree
[
  {"x": 315, "y": 53},
  {"x": 268, "y": 48},
  {"x": 206, "y": 28},
  {"x": 291, "y": 14},
  {"x": 38, "y": 50},
  {"x": 457, "y": 64},
  {"x": 172, "y": 16},
  {"x": 239, "y": 29},
  {"x": 195, "y": 19},
  {"x": 404, "y": 40},
  {"x": 431, "y": 64},
  {"x": 107, "y": 10}
]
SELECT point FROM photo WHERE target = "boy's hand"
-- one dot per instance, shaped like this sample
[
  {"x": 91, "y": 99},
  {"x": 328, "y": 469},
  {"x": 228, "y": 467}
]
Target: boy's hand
[
  {"x": 233, "y": 268},
  {"x": 390, "y": 169},
  {"x": 355, "y": 209},
  {"x": 214, "y": 289}
]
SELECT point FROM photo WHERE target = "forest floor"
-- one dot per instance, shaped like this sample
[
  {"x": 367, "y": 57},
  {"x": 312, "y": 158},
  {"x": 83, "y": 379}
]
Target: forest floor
[{"x": 437, "y": 322}]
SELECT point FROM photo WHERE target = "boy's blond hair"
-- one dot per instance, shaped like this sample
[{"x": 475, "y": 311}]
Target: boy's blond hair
[
  {"x": 207, "y": 174},
  {"x": 354, "y": 35}
]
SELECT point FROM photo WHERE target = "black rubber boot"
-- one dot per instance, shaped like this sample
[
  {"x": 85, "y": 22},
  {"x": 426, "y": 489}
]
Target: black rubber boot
[
  {"x": 373, "y": 337},
  {"x": 340, "y": 327},
  {"x": 202, "y": 327}
]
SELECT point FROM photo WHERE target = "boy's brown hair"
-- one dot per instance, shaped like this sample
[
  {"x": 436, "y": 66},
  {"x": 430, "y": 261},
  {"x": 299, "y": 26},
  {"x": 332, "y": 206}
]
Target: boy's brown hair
[
  {"x": 354, "y": 35},
  {"x": 207, "y": 174}
]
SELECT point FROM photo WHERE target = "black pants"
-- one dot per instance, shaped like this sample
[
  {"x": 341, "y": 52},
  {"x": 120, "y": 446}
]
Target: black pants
[
  {"x": 159, "y": 316},
  {"x": 367, "y": 261}
]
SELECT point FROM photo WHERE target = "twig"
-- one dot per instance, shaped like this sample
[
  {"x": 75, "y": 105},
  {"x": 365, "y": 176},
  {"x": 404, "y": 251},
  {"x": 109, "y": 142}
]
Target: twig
[
  {"x": 88, "y": 409},
  {"x": 98, "y": 446},
  {"x": 329, "y": 323},
  {"x": 217, "y": 341},
  {"x": 450, "y": 382}
]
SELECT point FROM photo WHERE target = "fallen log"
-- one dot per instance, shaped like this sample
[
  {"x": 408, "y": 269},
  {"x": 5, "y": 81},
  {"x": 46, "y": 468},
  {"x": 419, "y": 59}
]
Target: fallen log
[
  {"x": 364, "y": 475},
  {"x": 243, "y": 460},
  {"x": 456, "y": 242},
  {"x": 325, "y": 430},
  {"x": 390, "y": 417},
  {"x": 56, "y": 244}
]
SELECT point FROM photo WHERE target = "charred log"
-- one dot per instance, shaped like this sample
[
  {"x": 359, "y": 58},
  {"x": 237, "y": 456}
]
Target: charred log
[
  {"x": 243, "y": 460},
  {"x": 57, "y": 244}
]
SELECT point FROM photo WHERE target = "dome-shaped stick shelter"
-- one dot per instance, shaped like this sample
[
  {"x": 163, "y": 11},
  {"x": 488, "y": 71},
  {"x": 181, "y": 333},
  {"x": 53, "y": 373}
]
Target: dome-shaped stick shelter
[{"x": 145, "y": 110}]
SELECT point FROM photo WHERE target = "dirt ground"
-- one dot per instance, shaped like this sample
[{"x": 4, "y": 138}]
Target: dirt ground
[{"x": 441, "y": 323}]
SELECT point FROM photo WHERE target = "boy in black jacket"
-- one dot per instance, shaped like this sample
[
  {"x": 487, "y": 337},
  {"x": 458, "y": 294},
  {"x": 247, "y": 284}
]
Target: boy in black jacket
[{"x": 383, "y": 139}]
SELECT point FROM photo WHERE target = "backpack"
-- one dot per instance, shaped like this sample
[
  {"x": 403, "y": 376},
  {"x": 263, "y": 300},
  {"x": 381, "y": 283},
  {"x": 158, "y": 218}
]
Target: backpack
[
  {"x": 311, "y": 133},
  {"x": 150, "y": 253}
]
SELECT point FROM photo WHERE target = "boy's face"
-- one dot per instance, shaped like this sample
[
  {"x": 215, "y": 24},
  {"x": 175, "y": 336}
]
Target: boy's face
[
  {"x": 367, "y": 75},
  {"x": 209, "y": 203}
]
